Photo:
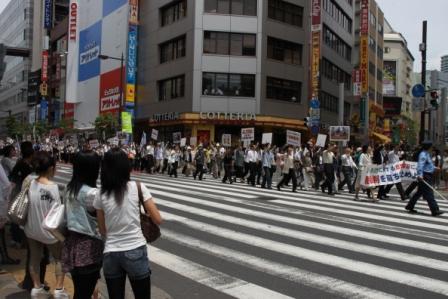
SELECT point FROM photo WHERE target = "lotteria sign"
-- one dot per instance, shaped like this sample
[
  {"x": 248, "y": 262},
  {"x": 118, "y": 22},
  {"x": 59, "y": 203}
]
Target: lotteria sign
[{"x": 73, "y": 21}]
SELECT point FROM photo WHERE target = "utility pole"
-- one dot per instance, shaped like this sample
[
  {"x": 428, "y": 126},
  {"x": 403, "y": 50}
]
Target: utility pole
[
  {"x": 443, "y": 105},
  {"x": 341, "y": 112},
  {"x": 423, "y": 48}
]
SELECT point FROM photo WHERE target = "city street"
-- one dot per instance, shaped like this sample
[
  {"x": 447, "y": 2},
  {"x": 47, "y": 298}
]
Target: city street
[{"x": 224, "y": 241}]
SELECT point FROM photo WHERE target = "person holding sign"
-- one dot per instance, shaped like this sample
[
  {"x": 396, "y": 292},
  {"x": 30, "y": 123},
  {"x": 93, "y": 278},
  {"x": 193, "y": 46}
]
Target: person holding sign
[{"x": 425, "y": 171}]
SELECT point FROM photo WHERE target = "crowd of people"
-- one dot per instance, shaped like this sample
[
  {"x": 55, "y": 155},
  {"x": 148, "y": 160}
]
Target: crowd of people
[
  {"x": 103, "y": 225},
  {"x": 102, "y": 229}
]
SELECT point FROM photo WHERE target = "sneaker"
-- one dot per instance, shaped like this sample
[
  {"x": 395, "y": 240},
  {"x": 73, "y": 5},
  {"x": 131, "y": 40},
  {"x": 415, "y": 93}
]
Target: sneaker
[
  {"x": 40, "y": 293},
  {"x": 61, "y": 294},
  {"x": 437, "y": 213}
]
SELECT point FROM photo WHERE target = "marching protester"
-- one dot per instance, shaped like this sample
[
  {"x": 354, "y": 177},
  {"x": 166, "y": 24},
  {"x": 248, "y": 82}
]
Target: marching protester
[
  {"x": 199, "y": 161},
  {"x": 348, "y": 166},
  {"x": 267, "y": 159},
  {"x": 392, "y": 158},
  {"x": 328, "y": 159},
  {"x": 83, "y": 246},
  {"x": 8, "y": 161},
  {"x": 118, "y": 212},
  {"x": 425, "y": 172},
  {"x": 228, "y": 166},
  {"x": 365, "y": 160},
  {"x": 379, "y": 158},
  {"x": 288, "y": 170}
]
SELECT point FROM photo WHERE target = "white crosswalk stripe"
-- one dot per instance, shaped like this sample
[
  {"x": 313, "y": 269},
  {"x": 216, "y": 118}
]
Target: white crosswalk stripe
[{"x": 332, "y": 245}]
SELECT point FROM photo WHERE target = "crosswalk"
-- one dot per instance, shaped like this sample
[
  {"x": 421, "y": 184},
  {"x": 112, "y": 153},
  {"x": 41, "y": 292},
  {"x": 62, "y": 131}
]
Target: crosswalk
[{"x": 248, "y": 242}]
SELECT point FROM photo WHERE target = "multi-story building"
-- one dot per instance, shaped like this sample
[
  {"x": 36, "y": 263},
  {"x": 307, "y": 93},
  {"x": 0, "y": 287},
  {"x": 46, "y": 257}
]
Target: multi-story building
[
  {"x": 338, "y": 32},
  {"x": 209, "y": 67},
  {"x": 444, "y": 64},
  {"x": 369, "y": 59},
  {"x": 397, "y": 83},
  {"x": 15, "y": 31}
]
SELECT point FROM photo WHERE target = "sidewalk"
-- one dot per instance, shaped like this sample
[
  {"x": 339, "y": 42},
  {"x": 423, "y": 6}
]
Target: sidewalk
[{"x": 15, "y": 273}]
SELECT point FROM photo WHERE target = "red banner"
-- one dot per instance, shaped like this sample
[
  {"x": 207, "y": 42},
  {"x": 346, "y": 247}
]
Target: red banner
[
  {"x": 69, "y": 110},
  {"x": 316, "y": 7},
  {"x": 364, "y": 17},
  {"x": 44, "y": 66},
  {"x": 110, "y": 92}
]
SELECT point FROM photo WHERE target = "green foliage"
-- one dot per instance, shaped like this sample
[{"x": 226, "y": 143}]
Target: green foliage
[{"x": 107, "y": 123}]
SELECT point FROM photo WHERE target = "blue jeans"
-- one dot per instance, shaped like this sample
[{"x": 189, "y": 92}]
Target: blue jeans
[{"x": 133, "y": 263}]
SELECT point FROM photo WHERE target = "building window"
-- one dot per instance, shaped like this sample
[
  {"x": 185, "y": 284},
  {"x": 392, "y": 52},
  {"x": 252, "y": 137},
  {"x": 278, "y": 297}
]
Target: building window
[
  {"x": 372, "y": 69},
  {"x": 336, "y": 43},
  {"x": 285, "y": 51},
  {"x": 338, "y": 14},
  {"x": 380, "y": 29},
  {"x": 285, "y": 12},
  {"x": 234, "y": 7},
  {"x": 379, "y": 75},
  {"x": 172, "y": 88},
  {"x": 173, "y": 12},
  {"x": 372, "y": 19},
  {"x": 283, "y": 90},
  {"x": 380, "y": 53},
  {"x": 172, "y": 50},
  {"x": 372, "y": 43},
  {"x": 336, "y": 74},
  {"x": 329, "y": 102},
  {"x": 226, "y": 43},
  {"x": 228, "y": 85}
]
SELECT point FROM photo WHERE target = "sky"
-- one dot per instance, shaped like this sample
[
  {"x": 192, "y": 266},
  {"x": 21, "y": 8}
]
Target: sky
[{"x": 406, "y": 16}]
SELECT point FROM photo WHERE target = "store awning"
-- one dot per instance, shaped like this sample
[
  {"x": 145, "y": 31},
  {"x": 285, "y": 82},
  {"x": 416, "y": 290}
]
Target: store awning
[{"x": 382, "y": 138}]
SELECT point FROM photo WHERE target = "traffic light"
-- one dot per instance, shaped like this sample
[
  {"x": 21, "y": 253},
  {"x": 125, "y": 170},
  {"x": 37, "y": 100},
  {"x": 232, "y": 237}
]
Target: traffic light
[
  {"x": 2, "y": 62},
  {"x": 434, "y": 99}
]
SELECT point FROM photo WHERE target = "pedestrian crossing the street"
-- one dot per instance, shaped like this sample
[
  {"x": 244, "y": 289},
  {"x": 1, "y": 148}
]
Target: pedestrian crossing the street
[{"x": 248, "y": 242}]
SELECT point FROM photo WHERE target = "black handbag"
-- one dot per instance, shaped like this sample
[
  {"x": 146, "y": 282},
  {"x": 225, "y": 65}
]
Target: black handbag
[{"x": 151, "y": 231}]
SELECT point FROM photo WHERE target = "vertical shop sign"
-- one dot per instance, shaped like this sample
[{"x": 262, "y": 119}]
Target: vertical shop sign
[
  {"x": 364, "y": 46},
  {"x": 44, "y": 66},
  {"x": 48, "y": 14}
]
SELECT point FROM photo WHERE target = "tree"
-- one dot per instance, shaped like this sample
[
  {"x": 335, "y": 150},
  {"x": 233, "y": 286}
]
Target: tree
[
  {"x": 107, "y": 123},
  {"x": 42, "y": 128},
  {"x": 66, "y": 124}
]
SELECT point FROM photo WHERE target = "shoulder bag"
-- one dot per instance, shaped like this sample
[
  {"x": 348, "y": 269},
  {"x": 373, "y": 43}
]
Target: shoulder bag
[
  {"x": 151, "y": 231},
  {"x": 19, "y": 205}
]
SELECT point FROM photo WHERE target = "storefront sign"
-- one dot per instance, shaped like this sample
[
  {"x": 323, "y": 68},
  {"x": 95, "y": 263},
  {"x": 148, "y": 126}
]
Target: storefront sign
[
  {"x": 48, "y": 14},
  {"x": 364, "y": 64},
  {"x": 44, "y": 66},
  {"x": 126, "y": 122},
  {"x": 293, "y": 138},
  {"x": 110, "y": 91},
  {"x": 43, "y": 109},
  {"x": 130, "y": 93},
  {"x": 390, "y": 78},
  {"x": 228, "y": 116},
  {"x": 248, "y": 134},
  {"x": 132, "y": 55},
  {"x": 133, "y": 12},
  {"x": 226, "y": 140},
  {"x": 165, "y": 116},
  {"x": 316, "y": 15},
  {"x": 356, "y": 82},
  {"x": 315, "y": 63},
  {"x": 73, "y": 21},
  {"x": 381, "y": 175},
  {"x": 392, "y": 106},
  {"x": 364, "y": 17}
]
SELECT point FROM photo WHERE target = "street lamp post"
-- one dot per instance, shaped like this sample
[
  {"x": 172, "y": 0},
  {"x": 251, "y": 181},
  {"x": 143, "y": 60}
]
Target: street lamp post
[{"x": 121, "y": 59}]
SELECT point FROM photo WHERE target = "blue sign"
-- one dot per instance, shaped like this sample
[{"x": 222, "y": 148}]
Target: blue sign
[
  {"x": 315, "y": 104},
  {"x": 315, "y": 129},
  {"x": 418, "y": 91},
  {"x": 43, "y": 109},
  {"x": 109, "y": 6},
  {"x": 89, "y": 51},
  {"x": 131, "y": 68},
  {"x": 48, "y": 14}
]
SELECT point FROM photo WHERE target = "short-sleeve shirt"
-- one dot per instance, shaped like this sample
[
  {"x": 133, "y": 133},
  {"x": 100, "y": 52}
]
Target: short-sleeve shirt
[{"x": 123, "y": 220}]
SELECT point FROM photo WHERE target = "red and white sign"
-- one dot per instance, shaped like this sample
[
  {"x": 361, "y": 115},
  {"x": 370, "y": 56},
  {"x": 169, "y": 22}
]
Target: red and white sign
[
  {"x": 293, "y": 138},
  {"x": 364, "y": 17},
  {"x": 69, "y": 110},
  {"x": 316, "y": 7},
  {"x": 133, "y": 12},
  {"x": 73, "y": 21},
  {"x": 110, "y": 91},
  {"x": 44, "y": 66},
  {"x": 248, "y": 134},
  {"x": 356, "y": 82}
]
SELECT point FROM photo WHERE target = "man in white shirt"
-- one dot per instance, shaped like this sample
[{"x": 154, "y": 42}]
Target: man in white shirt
[
  {"x": 252, "y": 157},
  {"x": 393, "y": 157},
  {"x": 328, "y": 161},
  {"x": 348, "y": 165}
]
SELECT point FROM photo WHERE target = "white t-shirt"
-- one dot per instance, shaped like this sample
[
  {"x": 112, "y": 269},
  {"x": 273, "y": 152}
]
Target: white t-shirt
[
  {"x": 122, "y": 221},
  {"x": 42, "y": 199}
]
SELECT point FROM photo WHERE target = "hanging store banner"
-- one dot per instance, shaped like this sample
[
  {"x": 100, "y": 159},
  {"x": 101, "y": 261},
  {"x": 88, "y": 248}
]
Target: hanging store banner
[
  {"x": 126, "y": 122},
  {"x": 131, "y": 65},
  {"x": 364, "y": 17},
  {"x": 133, "y": 12},
  {"x": 356, "y": 82},
  {"x": 72, "y": 56},
  {"x": 364, "y": 64},
  {"x": 44, "y": 66},
  {"x": 315, "y": 63},
  {"x": 48, "y": 14},
  {"x": 381, "y": 175},
  {"x": 390, "y": 78},
  {"x": 316, "y": 23},
  {"x": 110, "y": 92}
]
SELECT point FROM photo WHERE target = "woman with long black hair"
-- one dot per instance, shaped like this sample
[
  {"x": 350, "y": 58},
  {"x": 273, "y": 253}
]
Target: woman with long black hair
[
  {"x": 83, "y": 247},
  {"x": 118, "y": 211}
]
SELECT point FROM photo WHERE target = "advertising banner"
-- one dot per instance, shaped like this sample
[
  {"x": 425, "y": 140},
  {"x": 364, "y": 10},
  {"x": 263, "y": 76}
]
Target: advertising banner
[
  {"x": 315, "y": 63},
  {"x": 126, "y": 122},
  {"x": 48, "y": 14},
  {"x": 226, "y": 140},
  {"x": 248, "y": 134},
  {"x": 89, "y": 51},
  {"x": 364, "y": 17},
  {"x": 356, "y": 75},
  {"x": 364, "y": 64},
  {"x": 392, "y": 106},
  {"x": 110, "y": 92},
  {"x": 340, "y": 133},
  {"x": 293, "y": 138},
  {"x": 379, "y": 175},
  {"x": 43, "y": 109},
  {"x": 390, "y": 78},
  {"x": 132, "y": 55},
  {"x": 316, "y": 15},
  {"x": 72, "y": 56},
  {"x": 154, "y": 134},
  {"x": 44, "y": 66},
  {"x": 133, "y": 12},
  {"x": 69, "y": 110}
]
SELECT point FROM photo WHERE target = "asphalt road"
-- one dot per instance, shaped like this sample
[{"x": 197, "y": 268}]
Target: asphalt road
[{"x": 226, "y": 241}]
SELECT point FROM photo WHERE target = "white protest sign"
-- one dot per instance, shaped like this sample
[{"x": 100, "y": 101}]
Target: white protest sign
[
  {"x": 246, "y": 143},
  {"x": 94, "y": 143},
  {"x": 154, "y": 134},
  {"x": 379, "y": 175},
  {"x": 226, "y": 140},
  {"x": 339, "y": 133},
  {"x": 113, "y": 141},
  {"x": 293, "y": 138},
  {"x": 321, "y": 140},
  {"x": 266, "y": 138},
  {"x": 248, "y": 134},
  {"x": 176, "y": 137},
  {"x": 193, "y": 141},
  {"x": 183, "y": 142}
]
